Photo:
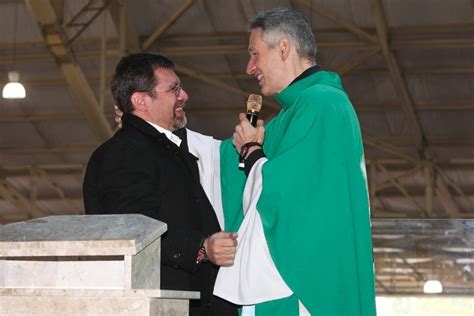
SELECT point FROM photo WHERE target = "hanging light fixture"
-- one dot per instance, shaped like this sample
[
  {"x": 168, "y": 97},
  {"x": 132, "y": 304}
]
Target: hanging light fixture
[
  {"x": 433, "y": 287},
  {"x": 14, "y": 89},
  {"x": 432, "y": 284}
]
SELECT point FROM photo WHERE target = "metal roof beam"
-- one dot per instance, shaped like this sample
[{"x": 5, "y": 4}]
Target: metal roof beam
[
  {"x": 56, "y": 41},
  {"x": 22, "y": 203},
  {"x": 407, "y": 102},
  {"x": 234, "y": 49},
  {"x": 185, "y": 4},
  {"x": 42, "y": 174},
  {"x": 121, "y": 20},
  {"x": 270, "y": 104},
  {"x": 357, "y": 61},
  {"x": 396, "y": 73},
  {"x": 396, "y": 183},
  {"x": 338, "y": 21}
]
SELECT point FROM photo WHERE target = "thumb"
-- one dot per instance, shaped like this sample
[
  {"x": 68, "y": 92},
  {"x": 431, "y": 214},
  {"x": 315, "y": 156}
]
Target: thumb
[
  {"x": 260, "y": 134},
  {"x": 260, "y": 123}
]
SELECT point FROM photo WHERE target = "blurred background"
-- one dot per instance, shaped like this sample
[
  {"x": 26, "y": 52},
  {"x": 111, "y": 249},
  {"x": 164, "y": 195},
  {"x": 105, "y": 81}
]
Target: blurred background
[{"x": 408, "y": 67}]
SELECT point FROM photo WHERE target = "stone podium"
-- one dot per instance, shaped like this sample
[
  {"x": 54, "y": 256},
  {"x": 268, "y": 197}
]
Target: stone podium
[{"x": 85, "y": 265}]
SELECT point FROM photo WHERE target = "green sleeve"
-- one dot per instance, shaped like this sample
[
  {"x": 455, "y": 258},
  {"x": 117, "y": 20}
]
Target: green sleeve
[{"x": 232, "y": 186}]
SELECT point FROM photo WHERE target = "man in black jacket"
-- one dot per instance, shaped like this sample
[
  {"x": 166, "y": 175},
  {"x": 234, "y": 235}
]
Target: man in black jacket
[{"x": 144, "y": 168}]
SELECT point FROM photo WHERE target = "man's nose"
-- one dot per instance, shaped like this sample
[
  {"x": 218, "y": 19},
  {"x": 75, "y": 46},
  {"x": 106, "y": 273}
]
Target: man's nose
[
  {"x": 250, "y": 67},
  {"x": 183, "y": 95}
]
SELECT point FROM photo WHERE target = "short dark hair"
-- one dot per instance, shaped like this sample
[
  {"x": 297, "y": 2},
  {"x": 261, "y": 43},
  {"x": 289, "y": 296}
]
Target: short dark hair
[
  {"x": 279, "y": 22},
  {"x": 135, "y": 73}
]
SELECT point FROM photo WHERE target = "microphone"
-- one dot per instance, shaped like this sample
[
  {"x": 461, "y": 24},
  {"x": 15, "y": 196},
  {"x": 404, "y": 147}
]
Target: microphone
[{"x": 254, "y": 104}]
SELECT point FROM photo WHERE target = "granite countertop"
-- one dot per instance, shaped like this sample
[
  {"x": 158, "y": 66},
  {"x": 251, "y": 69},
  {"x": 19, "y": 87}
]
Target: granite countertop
[{"x": 80, "y": 235}]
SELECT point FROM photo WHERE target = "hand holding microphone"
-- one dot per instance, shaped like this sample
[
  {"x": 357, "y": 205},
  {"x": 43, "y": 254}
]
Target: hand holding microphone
[{"x": 249, "y": 133}]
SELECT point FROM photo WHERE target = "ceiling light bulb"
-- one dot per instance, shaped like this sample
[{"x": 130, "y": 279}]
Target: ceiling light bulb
[
  {"x": 14, "y": 89},
  {"x": 433, "y": 287}
]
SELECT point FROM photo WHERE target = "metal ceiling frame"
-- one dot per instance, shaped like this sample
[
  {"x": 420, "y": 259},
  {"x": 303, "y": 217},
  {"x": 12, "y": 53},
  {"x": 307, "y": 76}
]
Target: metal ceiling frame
[
  {"x": 388, "y": 178},
  {"x": 48, "y": 19},
  {"x": 57, "y": 42}
]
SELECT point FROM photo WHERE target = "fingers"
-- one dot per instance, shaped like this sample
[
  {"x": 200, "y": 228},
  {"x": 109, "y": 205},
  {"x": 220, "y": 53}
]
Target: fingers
[
  {"x": 260, "y": 133},
  {"x": 246, "y": 133},
  {"x": 226, "y": 263},
  {"x": 118, "y": 116},
  {"x": 221, "y": 248},
  {"x": 225, "y": 239},
  {"x": 239, "y": 130},
  {"x": 239, "y": 137},
  {"x": 117, "y": 111}
]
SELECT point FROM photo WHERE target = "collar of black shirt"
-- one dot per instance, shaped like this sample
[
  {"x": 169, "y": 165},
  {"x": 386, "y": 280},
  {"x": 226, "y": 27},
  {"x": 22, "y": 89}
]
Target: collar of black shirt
[{"x": 308, "y": 72}]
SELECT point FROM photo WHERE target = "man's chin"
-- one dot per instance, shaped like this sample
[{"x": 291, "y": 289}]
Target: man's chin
[
  {"x": 180, "y": 121},
  {"x": 267, "y": 91}
]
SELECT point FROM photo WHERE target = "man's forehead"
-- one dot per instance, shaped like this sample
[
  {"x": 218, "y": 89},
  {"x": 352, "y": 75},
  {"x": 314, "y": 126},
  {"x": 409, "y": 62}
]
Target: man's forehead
[
  {"x": 255, "y": 40},
  {"x": 166, "y": 76},
  {"x": 256, "y": 33}
]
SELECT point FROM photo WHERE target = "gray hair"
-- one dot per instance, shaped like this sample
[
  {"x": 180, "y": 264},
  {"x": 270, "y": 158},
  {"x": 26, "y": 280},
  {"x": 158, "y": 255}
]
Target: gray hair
[{"x": 283, "y": 22}]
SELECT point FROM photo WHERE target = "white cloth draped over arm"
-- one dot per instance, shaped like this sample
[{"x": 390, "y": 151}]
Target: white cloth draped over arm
[
  {"x": 207, "y": 150},
  {"x": 253, "y": 278}
]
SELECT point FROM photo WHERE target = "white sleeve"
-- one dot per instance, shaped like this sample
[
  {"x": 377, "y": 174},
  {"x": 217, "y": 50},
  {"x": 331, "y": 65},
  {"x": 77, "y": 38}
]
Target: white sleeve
[
  {"x": 254, "y": 277},
  {"x": 207, "y": 150}
]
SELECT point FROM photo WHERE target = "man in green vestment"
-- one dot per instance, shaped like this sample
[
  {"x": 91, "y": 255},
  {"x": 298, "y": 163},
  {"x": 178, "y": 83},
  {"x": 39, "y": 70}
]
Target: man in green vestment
[{"x": 311, "y": 199}]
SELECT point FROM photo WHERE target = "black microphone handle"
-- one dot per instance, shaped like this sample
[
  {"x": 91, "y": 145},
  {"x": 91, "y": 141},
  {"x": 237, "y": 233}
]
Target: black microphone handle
[{"x": 252, "y": 116}]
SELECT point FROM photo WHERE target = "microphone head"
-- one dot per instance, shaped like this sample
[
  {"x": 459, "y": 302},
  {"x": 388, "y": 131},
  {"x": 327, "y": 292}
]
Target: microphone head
[{"x": 254, "y": 103}]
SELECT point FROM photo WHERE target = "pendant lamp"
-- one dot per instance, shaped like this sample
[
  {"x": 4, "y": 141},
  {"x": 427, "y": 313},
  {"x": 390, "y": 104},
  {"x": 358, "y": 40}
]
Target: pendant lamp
[
  {"x": 432, "y": 287},
  {"x": 14, "y": 89}
]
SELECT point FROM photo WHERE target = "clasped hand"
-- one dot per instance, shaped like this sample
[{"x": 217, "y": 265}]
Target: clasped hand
[
  {"x": 246, "y": 133},
  {"x": 221, "y": 247}
]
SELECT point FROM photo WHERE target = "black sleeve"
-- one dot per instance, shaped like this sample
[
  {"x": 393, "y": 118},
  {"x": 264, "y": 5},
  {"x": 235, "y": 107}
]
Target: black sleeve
[{"x": 252, "y": 159}]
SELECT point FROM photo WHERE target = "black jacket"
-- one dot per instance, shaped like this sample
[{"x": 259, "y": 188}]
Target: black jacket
[{"x": 139, "y": 170}]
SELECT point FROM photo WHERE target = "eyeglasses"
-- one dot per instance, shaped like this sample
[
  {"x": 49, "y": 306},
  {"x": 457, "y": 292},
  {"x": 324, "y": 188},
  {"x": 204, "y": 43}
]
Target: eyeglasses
[{"x": 176, "y": 89}]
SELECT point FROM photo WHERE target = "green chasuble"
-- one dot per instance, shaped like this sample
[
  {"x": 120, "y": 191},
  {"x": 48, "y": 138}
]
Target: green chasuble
[{"x": 314, "y": 202}]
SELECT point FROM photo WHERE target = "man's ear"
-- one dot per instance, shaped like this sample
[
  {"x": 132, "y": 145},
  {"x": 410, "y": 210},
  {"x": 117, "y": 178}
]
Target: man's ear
[
  {"x": 138, "y": 101},
  {"x": 284, "y": 47}
]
